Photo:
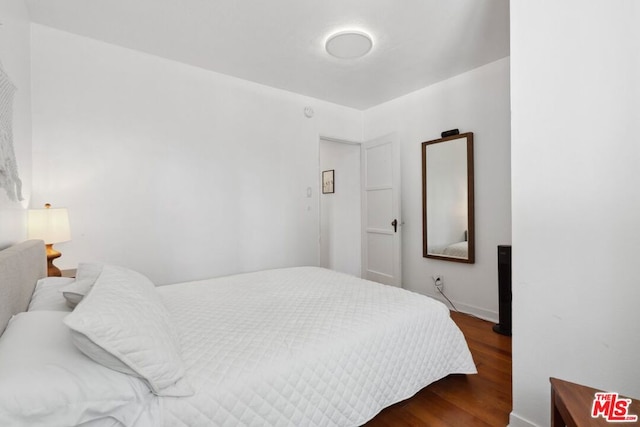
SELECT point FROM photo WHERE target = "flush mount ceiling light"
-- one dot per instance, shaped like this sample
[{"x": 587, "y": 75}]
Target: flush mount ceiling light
[{"x": 349, "y": 44}]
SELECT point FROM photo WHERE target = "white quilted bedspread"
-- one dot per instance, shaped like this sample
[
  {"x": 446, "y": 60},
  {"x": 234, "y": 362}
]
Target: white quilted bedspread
[{"x": 305, "y": 347}]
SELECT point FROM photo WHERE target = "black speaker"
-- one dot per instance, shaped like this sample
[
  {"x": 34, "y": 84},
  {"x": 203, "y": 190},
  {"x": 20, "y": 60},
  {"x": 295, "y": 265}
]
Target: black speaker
[
  {"x": 504, "y": 290},
  {"x": 451, "y": 132}
]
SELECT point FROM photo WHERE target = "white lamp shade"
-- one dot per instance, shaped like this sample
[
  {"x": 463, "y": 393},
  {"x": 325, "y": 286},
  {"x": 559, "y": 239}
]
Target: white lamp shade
[{"x": 50, "y": 225}]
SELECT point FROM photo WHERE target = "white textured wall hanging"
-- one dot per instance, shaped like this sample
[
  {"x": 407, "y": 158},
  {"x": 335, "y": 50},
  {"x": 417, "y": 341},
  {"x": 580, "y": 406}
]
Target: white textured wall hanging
[{"x": 9, "y": 179}]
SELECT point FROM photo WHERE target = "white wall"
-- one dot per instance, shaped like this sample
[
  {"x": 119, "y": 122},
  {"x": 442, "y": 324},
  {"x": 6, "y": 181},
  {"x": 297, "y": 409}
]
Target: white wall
[
  {"x": 172, "y": 170},
  {"x": 477, "y": 101},
  {"x": 16, "y": 61},
  {"x": 576, "y": 199},
  {"x": 340, "y": 212}
]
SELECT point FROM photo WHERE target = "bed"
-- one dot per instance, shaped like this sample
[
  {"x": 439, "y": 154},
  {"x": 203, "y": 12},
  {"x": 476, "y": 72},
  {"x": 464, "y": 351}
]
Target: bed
[
  {"x": 460, "y": 250},
  {"x": 298, "y": 346}
]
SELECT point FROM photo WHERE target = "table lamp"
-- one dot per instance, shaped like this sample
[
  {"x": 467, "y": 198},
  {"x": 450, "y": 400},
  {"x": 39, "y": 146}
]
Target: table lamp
[{"x": 52, "y": 226}]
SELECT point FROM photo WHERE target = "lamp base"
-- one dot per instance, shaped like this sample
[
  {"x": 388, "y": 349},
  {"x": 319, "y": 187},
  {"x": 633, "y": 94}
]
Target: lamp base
[{"x": 52, "y": 254}]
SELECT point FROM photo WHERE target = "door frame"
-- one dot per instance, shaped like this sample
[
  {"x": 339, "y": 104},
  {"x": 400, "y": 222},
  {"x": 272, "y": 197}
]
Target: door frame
[{"x": 319, "y": 189}]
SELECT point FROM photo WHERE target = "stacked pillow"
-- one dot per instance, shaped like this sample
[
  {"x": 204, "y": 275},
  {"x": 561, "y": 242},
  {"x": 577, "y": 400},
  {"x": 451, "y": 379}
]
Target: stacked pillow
[
  {"x": 122, "y": 324},
  {"x": 47, "y": 294},
  {"x": 86, "y": 276},
  {"x": 47, "y": 381}
]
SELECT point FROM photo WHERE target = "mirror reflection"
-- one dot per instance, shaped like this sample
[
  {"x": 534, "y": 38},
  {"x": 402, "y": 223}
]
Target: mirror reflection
[{"x": 447, "y": 196}]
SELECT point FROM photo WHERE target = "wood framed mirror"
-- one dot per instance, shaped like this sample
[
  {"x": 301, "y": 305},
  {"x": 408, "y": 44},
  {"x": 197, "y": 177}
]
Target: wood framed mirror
[{"x": 447, "y": 199}]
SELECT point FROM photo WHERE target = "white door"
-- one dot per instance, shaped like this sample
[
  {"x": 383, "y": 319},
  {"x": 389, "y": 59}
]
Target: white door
[{"x": 381, "y": 236}]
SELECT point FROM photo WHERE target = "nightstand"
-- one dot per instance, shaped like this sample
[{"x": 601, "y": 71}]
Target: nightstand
[
  {"x": 571, "y": 405},
  {"x": 69, "y": 273}
]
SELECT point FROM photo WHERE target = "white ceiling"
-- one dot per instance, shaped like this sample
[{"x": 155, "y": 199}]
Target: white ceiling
[{"x": 280, "y": 43}]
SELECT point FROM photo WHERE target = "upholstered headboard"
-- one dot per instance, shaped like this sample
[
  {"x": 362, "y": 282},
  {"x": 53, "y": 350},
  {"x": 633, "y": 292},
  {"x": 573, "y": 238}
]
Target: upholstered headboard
[{"x": 21, "y": 266}]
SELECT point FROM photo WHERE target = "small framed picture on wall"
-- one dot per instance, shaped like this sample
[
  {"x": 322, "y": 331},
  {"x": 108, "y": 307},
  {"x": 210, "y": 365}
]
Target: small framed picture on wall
[{"x": 327, "y": 182}]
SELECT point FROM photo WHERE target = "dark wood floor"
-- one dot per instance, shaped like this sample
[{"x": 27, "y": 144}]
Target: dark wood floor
[{"x": 462, "y": 400}]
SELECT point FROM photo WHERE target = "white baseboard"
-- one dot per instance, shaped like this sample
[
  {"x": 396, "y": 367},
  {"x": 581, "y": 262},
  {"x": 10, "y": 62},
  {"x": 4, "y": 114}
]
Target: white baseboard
[
  {"x": 482, "y": 313},
  {"x": 516, "y": 421}
]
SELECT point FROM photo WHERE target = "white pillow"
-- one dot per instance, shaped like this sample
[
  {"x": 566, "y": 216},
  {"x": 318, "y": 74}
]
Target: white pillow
[
  {"x": 46, "y": 381},
  {"x": 123, "y": 324},
  {"x": 86, "y": 276},
  {"x": 46, "y": 295}
]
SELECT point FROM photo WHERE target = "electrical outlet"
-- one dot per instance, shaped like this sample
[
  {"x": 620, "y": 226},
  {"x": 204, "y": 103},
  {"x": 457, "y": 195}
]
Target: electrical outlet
[{"x": 438, "y": 282}]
